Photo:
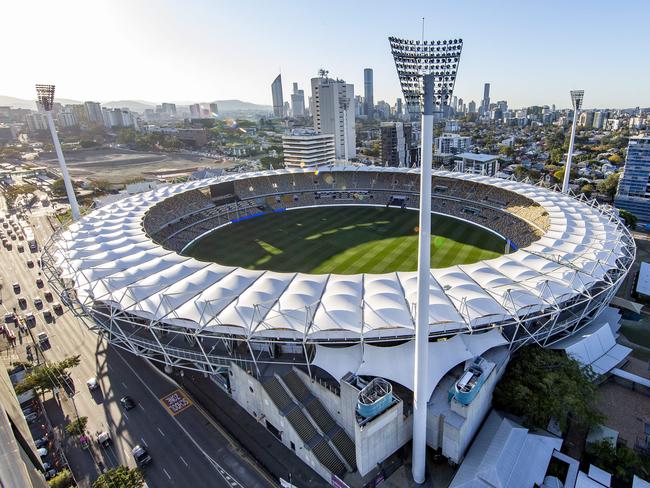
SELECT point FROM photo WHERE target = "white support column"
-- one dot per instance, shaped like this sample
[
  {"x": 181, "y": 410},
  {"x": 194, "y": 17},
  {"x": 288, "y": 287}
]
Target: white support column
[
  {"x": 421, "y": 360},
  {"x": 64, "y": 169},
  {"x": 576, "y": 100}
]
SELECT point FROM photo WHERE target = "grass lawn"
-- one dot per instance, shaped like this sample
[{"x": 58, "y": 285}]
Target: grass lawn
[{"x": 345, "y": 240}]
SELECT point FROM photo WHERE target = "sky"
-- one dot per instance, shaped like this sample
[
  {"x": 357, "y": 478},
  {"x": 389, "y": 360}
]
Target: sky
[{"x": 531, "y": 52}]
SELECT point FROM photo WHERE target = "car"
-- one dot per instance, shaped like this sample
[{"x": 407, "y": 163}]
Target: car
[
  {"x": 20, "y": 248},
  {"x": 30, "y": 319},
  {"x": 141, "y": 455},
  {"x": 16, "y": 288},
  {"x": 42, "y": 337},
  {"x": 30, "y": 264},
  {"x": 42, "y": 452},
  {"x": 103, "y": 439},
  {"x": 39, "y": 283},
  {"x": 42, "y": 442},
  {"x": 56, "y": 306},
  {"x": 9, "y": 317},
  {"x": 32, "y": 417},
  {"x": 48, "y": 295},
  {"x": 47, "y": 315},
  {"x": 22, "y": 302},
  {"x": 92, "y": 383},
  {"x": 127, "y": 402},
  {"x": 38, "y": 303}
]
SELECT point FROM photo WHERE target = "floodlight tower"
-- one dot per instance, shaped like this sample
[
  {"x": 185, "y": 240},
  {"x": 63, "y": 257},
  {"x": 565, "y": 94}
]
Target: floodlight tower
[
  {"x": 427, "y": 73},
  {"x": 45, "y": 96},
  {"x": 576, "y": 101}
]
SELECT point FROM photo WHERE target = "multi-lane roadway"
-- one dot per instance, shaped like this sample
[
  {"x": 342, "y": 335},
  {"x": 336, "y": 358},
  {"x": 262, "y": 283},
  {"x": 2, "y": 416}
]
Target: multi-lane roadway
[{"x": 188, "y": 448}]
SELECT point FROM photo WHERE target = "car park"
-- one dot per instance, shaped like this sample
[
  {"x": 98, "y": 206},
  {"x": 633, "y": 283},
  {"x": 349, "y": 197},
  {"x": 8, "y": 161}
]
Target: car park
[{"x": 127, "y": 402}]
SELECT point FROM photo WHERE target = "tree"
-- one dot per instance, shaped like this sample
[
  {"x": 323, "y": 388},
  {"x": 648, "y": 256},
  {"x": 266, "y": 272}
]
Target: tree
[
  {"x": 507, "y": 151},
  {"x": 121, "y": 476},
  {"x": 609, "y": 185},
  {"x": 543, "y": 384},
  {"x": 629, "y": 218},
  {"x": 587, "y": 189},
  {"x": 62, "y": 480},
  {"x": 48, "y": 376},
  {"x": 559, "y": 174},
  {"x": 620, "y": 461},
  {"x": 615, "y": 159},
  {"x": 77, "y": 427}
]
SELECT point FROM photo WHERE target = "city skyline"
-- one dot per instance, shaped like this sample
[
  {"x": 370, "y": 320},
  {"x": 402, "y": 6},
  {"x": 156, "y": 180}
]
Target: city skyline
[{"x": 206, "y": 52}]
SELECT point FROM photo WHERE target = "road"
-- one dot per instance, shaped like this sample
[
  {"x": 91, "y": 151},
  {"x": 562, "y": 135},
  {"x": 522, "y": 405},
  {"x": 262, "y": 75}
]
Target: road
[{"x": 188, "y": 449}]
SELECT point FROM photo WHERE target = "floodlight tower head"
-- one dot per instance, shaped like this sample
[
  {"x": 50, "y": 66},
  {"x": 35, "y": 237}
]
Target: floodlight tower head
[
  {"x": 45, "y": 96},
  {"x": 576, "y": 98},
  {"x": 414, "y": 59}
]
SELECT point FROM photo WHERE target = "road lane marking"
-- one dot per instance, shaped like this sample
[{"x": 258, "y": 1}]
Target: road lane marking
[
  {"x": 124, "y": 385},
  {"x": 214, "y": 463},
  {"x": 175, "y": 402},
  {"x": 140, "y": 404},
  {"x": 184, "y": 462},
  {"x": 165, "y": 471},
  {"x": 125, "y": 415},
  {"x": 161, "y": 432},
  {"x": 144, "y": 442}
]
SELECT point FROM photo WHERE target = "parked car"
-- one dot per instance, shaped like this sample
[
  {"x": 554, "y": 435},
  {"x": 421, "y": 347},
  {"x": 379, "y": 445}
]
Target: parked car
[
  {"x": 16, "y": 288},
  {"x": 92, "y": 383},
  {"x": 38, "y": 303},
  {"x": 42, "y": 442},
  {"x": 30, "y": 264},
  {"x": 39, "y": 283},
  {"x": 141, "y": 455},
  {"x": 9, "y": 317},
  {"x": 47, "y": 314},
  {"x": 56, "y": 306},
  {"x": 22, "y": 302},
  {"x": 127, "y": 402},
  {"x": 42, "y": 338},
  {"x": 48, "y": 295}
]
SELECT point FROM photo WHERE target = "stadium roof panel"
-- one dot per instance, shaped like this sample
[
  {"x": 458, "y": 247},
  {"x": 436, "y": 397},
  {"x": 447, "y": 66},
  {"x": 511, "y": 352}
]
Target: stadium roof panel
[{"x": 108, "y": 254}]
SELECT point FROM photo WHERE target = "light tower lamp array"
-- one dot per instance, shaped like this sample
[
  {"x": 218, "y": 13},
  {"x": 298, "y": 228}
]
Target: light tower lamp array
[
  {"x": 45, "y": 98},
  {"x": 427, "y": 73},
  {"x": 576, "y": 100}
]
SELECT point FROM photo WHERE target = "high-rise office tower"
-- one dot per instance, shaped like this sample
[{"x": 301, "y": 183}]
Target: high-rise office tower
[
  {"x": 399, "y": 111},
  {"x": 333, "y": 112},
  {"x": 461, "y": 106},
  {"x": 368, "y": 92},
  {"x": 94, "y": 112},
  {"x": 454, "y": 103},
  {"x": 634, "y": 185},
  {"x": 471, "y": 107},
  {"x": 485, "y": 105},
  {"x": 276, "y": 93},
  {"x": 396, "y": 144},
  {"x": 195, "y": 111},
  {"x": 214, "y": 109},
  {"x": 169, "y": 108},
  {"x": 297, "y": 102}
]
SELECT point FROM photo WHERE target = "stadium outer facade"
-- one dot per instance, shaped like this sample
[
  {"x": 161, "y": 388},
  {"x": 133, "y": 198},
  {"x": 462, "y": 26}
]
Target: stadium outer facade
[{"x": 299, "y": 351}]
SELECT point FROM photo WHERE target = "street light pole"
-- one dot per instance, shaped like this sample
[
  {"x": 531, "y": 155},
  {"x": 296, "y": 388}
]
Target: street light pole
[
  {"x": 45, "y": 95},
  {"x": 422, "y": 305},
  {"x": 576, "y": 101}
]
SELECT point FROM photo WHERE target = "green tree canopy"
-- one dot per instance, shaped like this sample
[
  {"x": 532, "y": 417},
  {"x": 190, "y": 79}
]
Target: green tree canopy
[
  {"x": 629, "y": 218},
  {"x": 48, "y": 376},
  {"x": 121, "y": 476},
  {"x": 609, "y": 185},
  {"x": 543, "y": 384},
  {"x": 62, "y": 480},
  {"x": 77, "y": 427},
  {"x": 621, "y": 461}
]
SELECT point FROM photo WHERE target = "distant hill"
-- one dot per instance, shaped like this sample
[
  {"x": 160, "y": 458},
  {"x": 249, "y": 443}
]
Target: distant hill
[
  {"x": 29, "y": 104},
  {"x": 141, "y": 105}
]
